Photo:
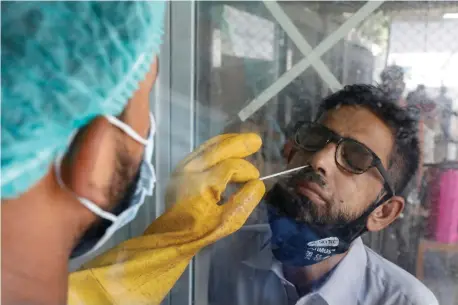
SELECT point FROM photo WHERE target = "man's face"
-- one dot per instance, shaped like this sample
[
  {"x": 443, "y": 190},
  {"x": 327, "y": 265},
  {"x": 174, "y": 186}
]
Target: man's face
[{"x": 335, "y": 195}]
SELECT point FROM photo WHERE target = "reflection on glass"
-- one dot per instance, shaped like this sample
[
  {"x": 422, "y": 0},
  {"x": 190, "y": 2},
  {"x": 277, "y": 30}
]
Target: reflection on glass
[{"x": 409, "y": 51}]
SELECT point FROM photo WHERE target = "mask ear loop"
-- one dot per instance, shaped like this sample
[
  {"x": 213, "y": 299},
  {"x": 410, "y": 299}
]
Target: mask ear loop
[
  {"x": 369, "y": 211},
  {"x": 87, "y": 203},
  {"x": 127, "y": 129}
]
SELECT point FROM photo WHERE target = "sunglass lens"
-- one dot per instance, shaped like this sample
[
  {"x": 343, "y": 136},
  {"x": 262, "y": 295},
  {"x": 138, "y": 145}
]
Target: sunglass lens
[{"x": 354, "y": 157}]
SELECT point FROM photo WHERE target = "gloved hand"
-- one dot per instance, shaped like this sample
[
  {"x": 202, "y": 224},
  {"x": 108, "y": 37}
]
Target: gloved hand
[{"x": 143, "y": 270}]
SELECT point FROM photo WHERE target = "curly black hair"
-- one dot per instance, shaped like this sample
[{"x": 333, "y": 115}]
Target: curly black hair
[{"x": 405, "y": 156}]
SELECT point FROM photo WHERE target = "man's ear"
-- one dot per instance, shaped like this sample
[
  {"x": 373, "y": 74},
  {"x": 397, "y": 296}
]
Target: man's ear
[
  {"x": 90, "y": 163},
  {"x": 385, "y": 214}
]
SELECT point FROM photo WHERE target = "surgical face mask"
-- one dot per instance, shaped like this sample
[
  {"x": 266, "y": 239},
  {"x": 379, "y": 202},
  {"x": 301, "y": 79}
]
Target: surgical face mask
[
  {"x": 298, "y": 243},
  {"x": 143, "y": 186}
]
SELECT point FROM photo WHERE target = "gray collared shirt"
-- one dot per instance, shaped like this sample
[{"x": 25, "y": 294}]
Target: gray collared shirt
[{"x": 362, "y": 277}]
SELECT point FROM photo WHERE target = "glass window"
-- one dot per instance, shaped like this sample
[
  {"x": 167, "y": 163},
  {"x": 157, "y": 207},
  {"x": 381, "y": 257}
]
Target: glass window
[{"x": 264, "y": 67}]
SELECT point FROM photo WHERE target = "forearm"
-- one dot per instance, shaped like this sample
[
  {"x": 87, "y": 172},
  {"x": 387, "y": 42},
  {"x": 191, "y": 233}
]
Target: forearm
[{"x": 139, "y": 271}]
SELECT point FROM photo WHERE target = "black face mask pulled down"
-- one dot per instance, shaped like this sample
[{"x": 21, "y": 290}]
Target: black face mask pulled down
[{"x": 298, "y": 243}]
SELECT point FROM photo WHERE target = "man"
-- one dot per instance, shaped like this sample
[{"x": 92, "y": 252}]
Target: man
[
  {"x": 446, "y": 104},
  {"x": 420, "y": 98},
  {"x": 392, "y": 84},
  {"x": 426, "y": 110},
  {"x": 361, "y": 152},
  {"x": 77, "y": 142}
]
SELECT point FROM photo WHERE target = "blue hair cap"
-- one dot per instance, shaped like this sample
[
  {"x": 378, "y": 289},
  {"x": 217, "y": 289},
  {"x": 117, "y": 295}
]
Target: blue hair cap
[{"x": 62, "y": 64}]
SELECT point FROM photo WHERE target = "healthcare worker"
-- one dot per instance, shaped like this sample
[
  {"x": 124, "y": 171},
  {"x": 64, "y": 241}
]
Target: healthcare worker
[{"x": 76, "y": 146}]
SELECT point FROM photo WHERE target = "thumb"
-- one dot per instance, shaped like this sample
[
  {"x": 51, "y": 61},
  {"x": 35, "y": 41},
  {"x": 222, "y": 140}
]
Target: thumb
[{"x": 241, "y": 204}]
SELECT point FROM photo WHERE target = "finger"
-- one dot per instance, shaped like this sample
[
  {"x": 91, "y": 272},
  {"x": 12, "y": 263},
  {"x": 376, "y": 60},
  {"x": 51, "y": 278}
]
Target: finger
[
  {"x": 227, "y": 171},
  {"x": 203, "y": 147},
  {"x": 231, "y": 170},
  {"x": 238, "y": 146},
  {"x": 241, "y": 204}
]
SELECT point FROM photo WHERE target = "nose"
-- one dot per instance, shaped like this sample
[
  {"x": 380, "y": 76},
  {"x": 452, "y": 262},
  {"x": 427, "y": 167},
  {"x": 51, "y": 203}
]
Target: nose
[{"x": 323, "y": 161}]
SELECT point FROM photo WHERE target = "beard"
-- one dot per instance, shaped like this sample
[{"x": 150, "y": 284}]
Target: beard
[{"x": 287, "y": 201}]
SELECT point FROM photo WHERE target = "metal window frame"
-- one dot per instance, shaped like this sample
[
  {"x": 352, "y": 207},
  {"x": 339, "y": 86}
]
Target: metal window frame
[{"x": 175, "y": 112}]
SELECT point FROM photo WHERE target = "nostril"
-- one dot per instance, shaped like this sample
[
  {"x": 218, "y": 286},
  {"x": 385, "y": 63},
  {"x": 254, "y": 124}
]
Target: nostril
[{"x": 322, "y": 171}]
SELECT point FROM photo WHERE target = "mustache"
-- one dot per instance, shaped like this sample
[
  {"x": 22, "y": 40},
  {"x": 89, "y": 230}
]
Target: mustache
[
  {"x": 307, "y": 174},
  {"x": 284, "y": 197},
  {"x": 286, "y": 201}
]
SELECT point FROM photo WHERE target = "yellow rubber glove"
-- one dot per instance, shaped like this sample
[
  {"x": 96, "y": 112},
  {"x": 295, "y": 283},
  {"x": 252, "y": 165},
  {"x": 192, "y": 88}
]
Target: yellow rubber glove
[{"x": 143, "y": 270}]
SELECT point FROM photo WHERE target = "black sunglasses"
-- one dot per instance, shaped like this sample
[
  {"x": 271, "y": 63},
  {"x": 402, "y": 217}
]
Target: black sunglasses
[{"x": 351, "y": 155}]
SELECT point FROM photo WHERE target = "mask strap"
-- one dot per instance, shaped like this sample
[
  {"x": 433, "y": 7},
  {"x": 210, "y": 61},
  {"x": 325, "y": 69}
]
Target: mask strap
[
  {"x": 87, "y": 203},
  {"x": 361, "y": 221},
  {"x": 127, "y": 129},
  {"x": 97, "y": 210}
]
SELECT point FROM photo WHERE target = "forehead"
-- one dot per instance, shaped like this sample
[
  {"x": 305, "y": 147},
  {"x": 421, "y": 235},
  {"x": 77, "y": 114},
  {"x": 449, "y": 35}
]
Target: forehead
[{"x": 362, "y": 125}]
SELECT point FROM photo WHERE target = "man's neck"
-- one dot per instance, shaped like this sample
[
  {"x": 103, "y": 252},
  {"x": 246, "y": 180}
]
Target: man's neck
[
  {"x": 302, "y": 277},
  {"x": 39, "y": 231}
]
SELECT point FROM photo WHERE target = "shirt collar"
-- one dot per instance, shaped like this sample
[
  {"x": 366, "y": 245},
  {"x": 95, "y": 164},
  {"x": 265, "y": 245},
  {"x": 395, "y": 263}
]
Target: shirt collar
[{"x": 336, "y": 288}]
